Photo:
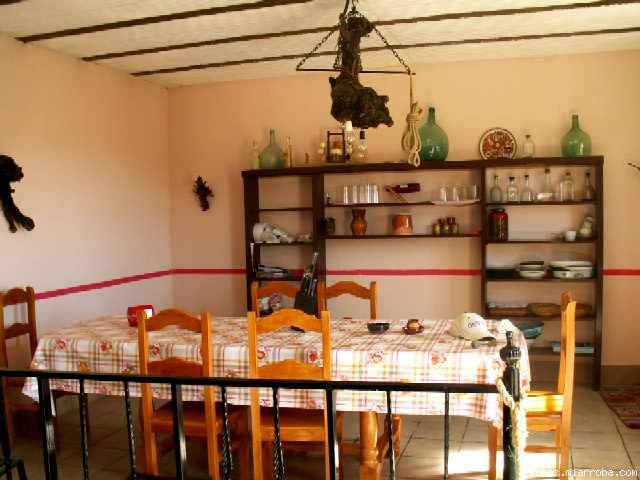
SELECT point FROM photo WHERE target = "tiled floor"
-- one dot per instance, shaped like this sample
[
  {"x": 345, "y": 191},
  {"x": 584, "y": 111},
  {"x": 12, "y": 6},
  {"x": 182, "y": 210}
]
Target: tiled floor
[{"x": 600, "y": 440}]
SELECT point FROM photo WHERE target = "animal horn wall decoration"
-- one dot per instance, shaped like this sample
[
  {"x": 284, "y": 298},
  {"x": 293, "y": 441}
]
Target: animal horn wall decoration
[
  {"x": 11, "y": 172},
  {"x": 203, "y": 192}
]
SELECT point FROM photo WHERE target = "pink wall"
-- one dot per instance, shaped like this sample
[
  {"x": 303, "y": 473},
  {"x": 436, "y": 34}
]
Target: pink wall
[
  {"x": 93, "y": 146},
  {"x": 211, "y": 128}
]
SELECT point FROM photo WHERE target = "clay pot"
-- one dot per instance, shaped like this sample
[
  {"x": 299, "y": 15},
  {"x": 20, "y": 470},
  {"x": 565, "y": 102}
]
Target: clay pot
[
  {"x": 402, "y": 224},
  {"x": 358, "y": 224}
]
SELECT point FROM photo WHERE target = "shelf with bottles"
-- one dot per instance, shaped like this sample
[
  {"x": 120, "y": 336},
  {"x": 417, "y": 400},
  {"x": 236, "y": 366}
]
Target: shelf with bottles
[
  {"x": 380, "y": 236},
  {"x": 516, "y": 241},
  {"x": 550, "y": 193}
]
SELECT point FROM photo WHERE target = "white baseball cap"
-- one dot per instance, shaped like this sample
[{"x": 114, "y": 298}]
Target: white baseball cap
[{"x": 470, "y": 326}]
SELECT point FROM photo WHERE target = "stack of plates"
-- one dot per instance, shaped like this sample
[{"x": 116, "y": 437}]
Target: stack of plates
[
  {"x": 532, "y": 270},
  {"x": 572, "y": 269}
]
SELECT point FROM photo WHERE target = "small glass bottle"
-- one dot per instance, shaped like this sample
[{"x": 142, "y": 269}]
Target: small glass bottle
[
  {"x": 361, "y": 153},
  {"x": 547, "y": 192},
  {"x": 589, "y": 192},
  {"x": 528, "y": 147},
  {"x": 495, "y": 194},
  {"x": 512, "y": 190},
  {"x": 254, "y": 155},
  {"x": 567, "y": 189},
  {"x": 527, "y": 194},
  {"x": 288, "y": 154}
]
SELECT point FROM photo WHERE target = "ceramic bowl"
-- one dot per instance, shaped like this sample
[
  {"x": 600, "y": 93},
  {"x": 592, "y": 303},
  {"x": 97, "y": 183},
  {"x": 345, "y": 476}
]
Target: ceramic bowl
[
  {"x": 532, "y": 274},
  {"x": 378, "y": 327}
]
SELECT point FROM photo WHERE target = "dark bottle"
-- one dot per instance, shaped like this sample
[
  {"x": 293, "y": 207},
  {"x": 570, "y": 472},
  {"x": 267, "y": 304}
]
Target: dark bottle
[{"x": 499, "y": 225}]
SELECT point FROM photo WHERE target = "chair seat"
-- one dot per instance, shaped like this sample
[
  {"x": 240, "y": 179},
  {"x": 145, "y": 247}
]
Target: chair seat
[
  {"x": 296, "y": 424},
  {"x": 193, "y": 418},
  {"x": 544, "y": 403}
]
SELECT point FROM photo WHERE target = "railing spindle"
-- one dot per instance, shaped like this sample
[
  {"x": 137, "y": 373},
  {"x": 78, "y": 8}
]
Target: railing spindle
[
  {"x": 84, "y": 448},
  {"x": 179, "y": 443},
  {"x": 332, "y": 437},
  {"x": 511, "y": 378},
  {"x": 46, "y": 425},
  {"x": 130, "y": 433},
  {"x": 392, "y": 452},
  {"x": 6, "y": 441},
  {"x": 227, "y": 459},
  {"x": 278, "y": 460},
  {"x": 447, "y": 427}
]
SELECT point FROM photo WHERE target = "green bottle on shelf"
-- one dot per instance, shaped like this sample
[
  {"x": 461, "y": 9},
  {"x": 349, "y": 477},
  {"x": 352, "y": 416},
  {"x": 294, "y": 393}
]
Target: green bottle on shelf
[
  {"x": 435, "y": 143},
  {"x": 576, "y": 143},
  {"x": 272, "y": 156}
]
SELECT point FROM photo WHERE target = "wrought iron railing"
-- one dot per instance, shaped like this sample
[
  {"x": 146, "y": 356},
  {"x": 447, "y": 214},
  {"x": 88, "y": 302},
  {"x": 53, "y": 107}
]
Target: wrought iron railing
[{"x": 9, "y": 463}]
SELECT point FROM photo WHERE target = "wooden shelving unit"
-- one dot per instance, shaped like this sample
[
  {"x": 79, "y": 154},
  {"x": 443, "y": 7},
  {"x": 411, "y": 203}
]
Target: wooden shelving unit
[{"x": 318, "y": 210}]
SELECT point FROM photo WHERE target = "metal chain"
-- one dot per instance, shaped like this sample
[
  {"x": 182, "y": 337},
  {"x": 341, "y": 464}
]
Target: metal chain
[
  {"x": 315, "y": 49},
  {"x": 395, "y": 53}
]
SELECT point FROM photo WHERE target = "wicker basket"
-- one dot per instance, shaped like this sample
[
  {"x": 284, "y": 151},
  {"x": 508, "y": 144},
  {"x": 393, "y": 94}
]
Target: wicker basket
[
  {"x": 544, "y": 309},
  {"x": 499, "y": 311}
]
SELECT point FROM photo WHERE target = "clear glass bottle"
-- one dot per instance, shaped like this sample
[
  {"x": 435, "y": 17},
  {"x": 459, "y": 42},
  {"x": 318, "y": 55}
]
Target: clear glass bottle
[
  {"x": 512, "y": 190},
  {"x": 527, "y": 194},
  {"x": 589, "y": 192},
  {"x": 528, "y": 147},
  {"x": 546, "y": 194},
  {"x": 362, "y": 152},
  {"x": 495, "y": 193},
  {"x": 567, "y": 188},
  {"x": 254, "y": 155}
]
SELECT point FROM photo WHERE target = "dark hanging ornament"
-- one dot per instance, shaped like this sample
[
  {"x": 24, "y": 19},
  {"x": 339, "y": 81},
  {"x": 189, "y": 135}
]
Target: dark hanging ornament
[
  {"x": 203, "y": 192},
  {"x": 11, "y": 172},
  {"x": 350, "y": 99}
]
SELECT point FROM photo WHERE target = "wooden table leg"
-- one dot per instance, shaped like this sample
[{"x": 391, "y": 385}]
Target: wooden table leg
[{"x": 369, "y": 465}]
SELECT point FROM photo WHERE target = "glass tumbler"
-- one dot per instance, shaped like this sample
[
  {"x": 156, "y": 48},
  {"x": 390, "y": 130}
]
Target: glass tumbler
[
  {"x": 362, "y": 194},
  {"x": 343, "y": 194}
]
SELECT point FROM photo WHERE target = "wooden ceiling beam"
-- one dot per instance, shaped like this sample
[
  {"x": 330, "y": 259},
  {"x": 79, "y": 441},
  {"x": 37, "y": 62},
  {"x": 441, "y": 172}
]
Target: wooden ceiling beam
[
  {"x": 202, "y": 66},
  {"x": 136, "y": 22},
  {"x": 306, "y": 31}
]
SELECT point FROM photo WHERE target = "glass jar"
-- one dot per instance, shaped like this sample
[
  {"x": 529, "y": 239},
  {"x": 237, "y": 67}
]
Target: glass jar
[
  {"x": 495, "y": 194},
  {"x": 527, "y": 194},
  {"x": 567, "y": 189},
  {"x": 512, "y": 190},
  {"x": 589, "y": 192},
  {"x": 498, "y": 225},
  {"x": 528, "y": 147}
]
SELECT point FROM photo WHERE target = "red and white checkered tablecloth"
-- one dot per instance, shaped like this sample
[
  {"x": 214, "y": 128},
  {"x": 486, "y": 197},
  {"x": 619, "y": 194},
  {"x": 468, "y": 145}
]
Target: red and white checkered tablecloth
[{"x": 110, "y": 345}]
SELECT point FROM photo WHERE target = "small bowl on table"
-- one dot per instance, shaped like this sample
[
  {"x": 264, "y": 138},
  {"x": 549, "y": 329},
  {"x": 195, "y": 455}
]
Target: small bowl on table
[{"x": 378, "y": 327}]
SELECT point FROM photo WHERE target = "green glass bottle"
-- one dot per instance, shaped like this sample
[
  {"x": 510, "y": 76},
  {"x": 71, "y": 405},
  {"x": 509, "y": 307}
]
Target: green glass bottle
[
  {"x": 576, "y": 143},
  {"x": 435, "y": 143},
  {"x": 272, "y": 156}
]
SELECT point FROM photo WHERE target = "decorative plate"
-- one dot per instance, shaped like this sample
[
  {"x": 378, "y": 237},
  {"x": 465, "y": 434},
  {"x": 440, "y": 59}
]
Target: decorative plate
[{"x": 498, "y": 143}]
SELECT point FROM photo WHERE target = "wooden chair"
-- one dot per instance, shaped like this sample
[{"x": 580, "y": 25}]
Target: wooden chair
[
  {"x": 296, "y": 425},
  {"x": 352, "y": 288},
  {"x": 20, "y": 296},
  {"x": 201, "y": 420},
  {"x": 349, "y": 288},
  {"x": 550, "y": 411},
  {"x": 258, "y": 292}
]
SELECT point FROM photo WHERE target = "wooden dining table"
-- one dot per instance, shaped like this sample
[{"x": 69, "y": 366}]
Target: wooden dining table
[{"x": 110, "y": 345}]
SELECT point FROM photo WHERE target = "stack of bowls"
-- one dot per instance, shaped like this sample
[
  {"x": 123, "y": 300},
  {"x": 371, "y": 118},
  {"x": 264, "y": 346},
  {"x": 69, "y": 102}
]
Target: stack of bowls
[
  {"x": 571, "y": 269},
  {"x": 532, "y": 270}
]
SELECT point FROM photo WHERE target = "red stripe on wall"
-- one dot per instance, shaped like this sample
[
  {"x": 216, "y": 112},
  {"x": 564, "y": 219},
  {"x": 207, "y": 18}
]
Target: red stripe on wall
[
  {"x": 392, "y": 272},
  {"x": 629, "y": 272},
  {"x": 87, "y": 287}
]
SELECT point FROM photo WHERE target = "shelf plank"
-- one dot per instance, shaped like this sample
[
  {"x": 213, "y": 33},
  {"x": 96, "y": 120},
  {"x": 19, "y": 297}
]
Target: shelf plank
[
  {"x": 540, "y": 204},
  {"x": 477, "y": 165},
  {"x": 551, "y": 240},
  {"x": 287, "y": 209},
  {"x": 532, "y": 319},
  {"x": 541, "y": 280},
  {"x": 369, "y": 237},
  {"x": 288, "y": 278},
  {"x": 292, "y": 244},
  {"x": 400, "y": 204}
]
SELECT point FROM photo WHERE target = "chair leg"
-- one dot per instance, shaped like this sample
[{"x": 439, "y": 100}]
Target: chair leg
[
  {"x": 565, "y": 451},
  {"x": 267, "y": 461},
  {"x": 150, "y": 453},
  {"x": 244, "y": 454},
  {"x": 493, "y": 451},
  {"x": 397, "y": 433},
  {"x": 339, "y": 434}
]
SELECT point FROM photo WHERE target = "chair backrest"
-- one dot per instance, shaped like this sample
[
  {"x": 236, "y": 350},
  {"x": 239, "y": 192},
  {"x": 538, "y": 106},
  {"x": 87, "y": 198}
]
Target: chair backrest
[
  {"x": 291, "y": 368},
  {"x": 18, "y": 296},
  {"x": 268, "y": 289},
  {"x": 567, "y": 347},
  {"x": 178, "y": 367},
  {"x": 349, "y": 288}
]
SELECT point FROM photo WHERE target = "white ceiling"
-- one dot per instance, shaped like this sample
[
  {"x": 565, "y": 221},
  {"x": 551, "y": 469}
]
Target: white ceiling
[{"x": 31, "y": 17}]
